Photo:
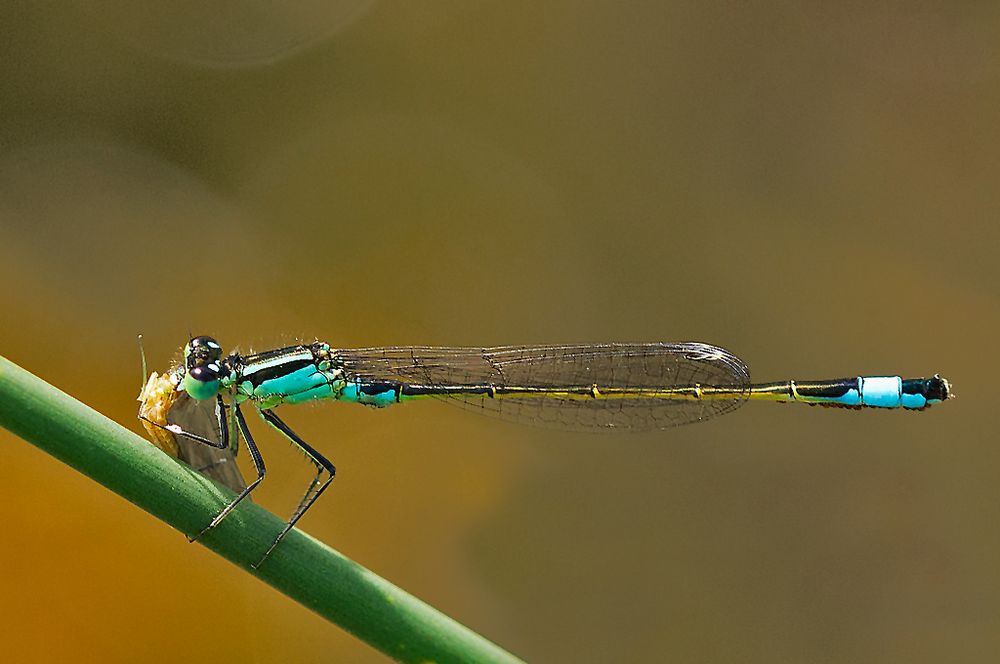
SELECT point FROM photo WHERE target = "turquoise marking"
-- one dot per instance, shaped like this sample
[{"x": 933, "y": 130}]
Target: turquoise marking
[
  {"x": 324, "y": 391},
  {"x": 881, "y": 391},
  {"x": 305, "y": 384},
  {"x": 352, "y": 392},
  {"x": 301, "y": 380},
  {"x": 916, "y": 401},
  {"x": 850, "y": 398}
]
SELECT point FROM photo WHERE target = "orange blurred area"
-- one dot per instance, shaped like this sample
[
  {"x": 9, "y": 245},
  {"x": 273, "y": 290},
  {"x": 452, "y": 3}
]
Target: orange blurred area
[{"x": 812, "y": 187}]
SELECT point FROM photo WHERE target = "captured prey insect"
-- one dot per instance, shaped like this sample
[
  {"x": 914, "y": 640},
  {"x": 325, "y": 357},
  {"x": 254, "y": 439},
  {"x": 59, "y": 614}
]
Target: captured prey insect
[
  {"x": 164, "y": 408},
  {"x": 597, "y": 387}
]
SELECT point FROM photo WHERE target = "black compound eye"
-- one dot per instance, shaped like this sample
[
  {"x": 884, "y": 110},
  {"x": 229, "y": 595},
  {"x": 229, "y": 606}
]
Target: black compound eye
[
  {"x": 202, "y": 350},
  {"x": 204, "y": 374}
]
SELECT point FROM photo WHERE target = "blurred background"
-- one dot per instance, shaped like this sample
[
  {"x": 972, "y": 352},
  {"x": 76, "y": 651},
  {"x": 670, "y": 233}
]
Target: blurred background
[{"x": 810, "y": 185}]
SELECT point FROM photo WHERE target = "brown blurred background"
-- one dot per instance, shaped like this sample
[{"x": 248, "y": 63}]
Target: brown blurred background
[{"x": 812, "y": 186}]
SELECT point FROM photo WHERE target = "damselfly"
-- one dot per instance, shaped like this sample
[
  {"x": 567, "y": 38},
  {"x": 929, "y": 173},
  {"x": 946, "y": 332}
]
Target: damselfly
[{"x": 598, "y": 387}]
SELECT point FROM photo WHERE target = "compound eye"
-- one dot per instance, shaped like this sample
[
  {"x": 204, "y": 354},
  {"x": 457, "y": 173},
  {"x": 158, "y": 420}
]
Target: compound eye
[
  {"x": 202, "y": 382},
  {"x": 202, "y": 350}
]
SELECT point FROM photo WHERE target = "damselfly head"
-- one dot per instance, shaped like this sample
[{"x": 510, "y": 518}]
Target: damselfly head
[
  {"x": 202, "y": 350},
  {"x": 202, "y": 356}
]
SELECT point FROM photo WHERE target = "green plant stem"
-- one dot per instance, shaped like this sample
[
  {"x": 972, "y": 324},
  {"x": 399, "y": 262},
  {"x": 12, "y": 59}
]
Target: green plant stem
[{"x": 303, "y": 568}]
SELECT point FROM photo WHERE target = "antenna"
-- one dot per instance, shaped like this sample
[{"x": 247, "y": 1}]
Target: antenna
[{"x": 142, "y": 354}]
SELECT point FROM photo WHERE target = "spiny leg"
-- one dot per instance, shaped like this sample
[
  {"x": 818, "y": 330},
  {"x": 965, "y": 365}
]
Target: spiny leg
[
  {"x": 322, "y": 464},
  {"x": 258, "y": 463},
  {"x": 178, "y": 431},
  {"x": 226, "y": 424}
]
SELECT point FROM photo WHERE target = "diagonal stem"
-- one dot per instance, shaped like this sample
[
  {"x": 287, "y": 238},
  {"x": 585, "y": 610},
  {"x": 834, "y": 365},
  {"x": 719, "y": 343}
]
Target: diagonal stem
[{"x": 303, "y": 568}]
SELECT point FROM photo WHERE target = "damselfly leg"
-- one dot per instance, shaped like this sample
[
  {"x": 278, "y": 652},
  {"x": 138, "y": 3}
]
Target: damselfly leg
[
  {"x": 258, "y": 461},
  {"x": 315, "y": 488}
]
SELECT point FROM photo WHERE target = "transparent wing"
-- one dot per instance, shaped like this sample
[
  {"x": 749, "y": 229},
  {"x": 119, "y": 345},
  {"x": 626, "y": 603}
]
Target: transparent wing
[
  {"x": 201, "y": 418},
  {"x": 639, "y": 373}
]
